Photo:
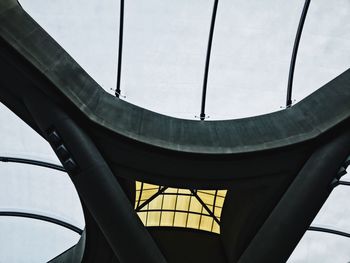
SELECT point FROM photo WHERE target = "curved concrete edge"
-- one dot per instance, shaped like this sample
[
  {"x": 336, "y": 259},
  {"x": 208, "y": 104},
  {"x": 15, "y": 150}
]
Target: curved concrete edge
[{"x": 307, "y": 120}]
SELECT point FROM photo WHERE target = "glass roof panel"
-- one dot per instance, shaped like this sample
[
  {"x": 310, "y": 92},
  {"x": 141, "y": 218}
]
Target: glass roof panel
[
  {"x": 25, "y": 240},
  {"x": 165, "y": 47},
  {"x": 164, "y": 54},
  {"x": 167, "y": 206},
  {"x": 252, "y": 47},
  {"x": 41, "y": 191},
  {"x": 31, "y": 188},
  {"x": 19, "y": 140},
  {"x": 335, "y": 212},
  {"x": 87, "y": 30},
  {"x": 321, "y": 247},
  {"x": 324, "y": 50}
]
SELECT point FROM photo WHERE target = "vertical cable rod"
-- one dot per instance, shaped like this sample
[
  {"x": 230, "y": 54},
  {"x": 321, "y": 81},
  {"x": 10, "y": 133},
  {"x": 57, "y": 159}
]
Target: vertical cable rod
[
  {"x": 206, "y": 70},
  {"x": 295, "y": 53},
  {"x": 120, "y": 49}
]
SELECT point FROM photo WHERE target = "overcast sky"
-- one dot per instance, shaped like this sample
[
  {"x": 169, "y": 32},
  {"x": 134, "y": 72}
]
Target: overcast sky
[{"x": 163, "y": 63}]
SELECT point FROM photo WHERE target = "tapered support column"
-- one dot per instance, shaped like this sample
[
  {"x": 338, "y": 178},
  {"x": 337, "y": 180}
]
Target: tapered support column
[
  {"x": 95, "y": 183},
  {"x": 286, "y": 225}
]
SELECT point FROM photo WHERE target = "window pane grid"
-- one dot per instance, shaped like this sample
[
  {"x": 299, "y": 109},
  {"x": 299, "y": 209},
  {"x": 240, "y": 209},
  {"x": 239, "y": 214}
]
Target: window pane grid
[{"x": 175, "y": 207}]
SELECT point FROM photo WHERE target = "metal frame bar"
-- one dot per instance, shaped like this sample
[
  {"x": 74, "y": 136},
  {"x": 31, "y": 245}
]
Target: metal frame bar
[
  {"x": 176, "y": 198},
  {"x": 188, "y": 210},
  {"x": 120, "y": 49},
  {"x": 214, "y": 206},
  {"x": 344, "y": 183},
  {"x": 43, "y": 218},
  {"x": 330, "y": 231},
  {"x": 193, "y": 193},
  {"x": 161, "y": 205},
  {"x": 7, "y": 159},
  {"x": 336, "y": 183},
  {"x": 175, "y": 211},
  {"x": 205, "y": 207},
  {"x": 206, "y": 193},
  {"x": 140, "y": 193},
  {"x": 160, "y": 191},
  {"x": 207, "y": 61},
  {"x": 295, "y": 53}
]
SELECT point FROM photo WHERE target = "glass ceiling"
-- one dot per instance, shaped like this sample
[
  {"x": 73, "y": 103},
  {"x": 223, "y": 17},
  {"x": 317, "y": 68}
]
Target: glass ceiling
[
  {"x": 166, "y": 206},
  {"x": 324, "y": 50},
  {"x": 26, "y": 240},
  {"x": 321, "y": 247},
  {"x": 32, "y": 190},
  {"x": 164, "y": 49},
  {"x": 252, "y": 47},
  {"x": 331, "y": 215},
  {"x": 19, "y": 140},
  {"x": 27, "y": 188},
  {"x": 165, "y": 44}
]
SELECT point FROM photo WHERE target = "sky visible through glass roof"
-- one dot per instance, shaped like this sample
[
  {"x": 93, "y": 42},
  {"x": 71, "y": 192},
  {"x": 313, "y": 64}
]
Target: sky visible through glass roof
[{"x": 165, "y": 42}]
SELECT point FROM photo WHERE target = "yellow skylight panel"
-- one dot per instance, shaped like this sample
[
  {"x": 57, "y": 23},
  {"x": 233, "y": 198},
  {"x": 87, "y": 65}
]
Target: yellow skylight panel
[
  {"x": 149, "y": 186},
  {"x": 174, "y": 207},
  {"x": 208, "y": 199},
  {"x": 156, "y": 203},
  {"x": 209, "y": 192},
  {"x": 138, "y": 185},
  {"x": 172, "y": 190},
  {"x": 146, "y": 194},
  {"x": 180, "y": 219},
  {"x": 222, "y": 193},
  {"x": 182, "y": 203},
  {"x": 167, "y": 219},
  {"x": 153, "y": 218},
  {"x": 216, "y": 228},
  {"x": 184, "y": 191},
  {"x": 137, "y": 195},
  {"x": 143, "y": 216},
  {"x": 217, "y": 212},
  {"x": 206, "y": 223},
  {"x": 210, "y": 208},
  {"x": 219, "y": 201},
  {"x": 193, "y": 221},
  {"x": 195, "y": 205},
  {"x": 169, "y": 202}
]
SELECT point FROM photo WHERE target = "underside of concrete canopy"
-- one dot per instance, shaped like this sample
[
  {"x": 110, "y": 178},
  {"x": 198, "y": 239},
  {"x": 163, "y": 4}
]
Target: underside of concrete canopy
[{"x": 277, "y": 168}]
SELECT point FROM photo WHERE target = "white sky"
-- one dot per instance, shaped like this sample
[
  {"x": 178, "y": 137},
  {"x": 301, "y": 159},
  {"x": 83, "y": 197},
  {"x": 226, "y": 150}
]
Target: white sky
[{"x": 163, "y": 63}]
